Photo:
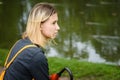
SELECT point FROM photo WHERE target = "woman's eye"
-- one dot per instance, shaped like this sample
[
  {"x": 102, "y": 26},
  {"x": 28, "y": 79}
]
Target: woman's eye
[{"x": 54, "y": 22}]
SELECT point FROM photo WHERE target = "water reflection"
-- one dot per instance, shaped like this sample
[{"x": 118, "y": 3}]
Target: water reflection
[
  {"x": 26, "y": 6},
  {"x": 89, "y": 29},
  {"x": 91, "y": 32}
]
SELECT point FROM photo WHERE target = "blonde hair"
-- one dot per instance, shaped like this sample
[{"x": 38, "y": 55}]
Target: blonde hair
[{"x": 39, "y": 14}]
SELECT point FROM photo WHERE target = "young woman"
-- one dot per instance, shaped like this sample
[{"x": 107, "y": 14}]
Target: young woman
[{"x": 32, "y": 63}]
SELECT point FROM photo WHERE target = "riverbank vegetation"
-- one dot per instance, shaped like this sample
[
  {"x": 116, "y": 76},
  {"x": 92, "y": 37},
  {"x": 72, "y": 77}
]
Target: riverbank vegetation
[
  {"x": 85, "y": 70},
  {"x": 3, "y": 55},
  {"x": 81, "y": 70}
]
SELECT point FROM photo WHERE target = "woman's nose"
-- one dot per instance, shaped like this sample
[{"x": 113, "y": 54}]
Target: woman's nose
[{"x": 57, "y": 27}]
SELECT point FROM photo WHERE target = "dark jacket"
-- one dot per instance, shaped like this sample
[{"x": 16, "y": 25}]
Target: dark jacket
[{"x": 30, "y": 63}]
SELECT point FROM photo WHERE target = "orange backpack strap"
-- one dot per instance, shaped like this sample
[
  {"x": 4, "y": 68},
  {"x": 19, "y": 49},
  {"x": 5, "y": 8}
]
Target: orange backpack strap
[
  {"x": 10, "y": 62},
  {"x": 27, "y": 46},
  {"x": 9, "y": 53}
]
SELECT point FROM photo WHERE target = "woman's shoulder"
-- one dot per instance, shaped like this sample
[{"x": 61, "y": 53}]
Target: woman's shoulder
[
  {"x": 30, "y": 51},
  {"x": 35, "y": 50},
  {"x": 37, "y": 54}
]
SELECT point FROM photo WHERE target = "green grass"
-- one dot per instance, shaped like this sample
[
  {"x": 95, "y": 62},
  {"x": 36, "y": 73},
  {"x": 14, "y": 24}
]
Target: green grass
[
  {"x": 85, "y": 70},
  {"x": 81, "y": 70},
  {"x": 3, "y": 55}
]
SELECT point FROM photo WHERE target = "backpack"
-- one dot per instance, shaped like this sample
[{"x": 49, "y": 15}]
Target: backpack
[{"x": 2, "y": 73}]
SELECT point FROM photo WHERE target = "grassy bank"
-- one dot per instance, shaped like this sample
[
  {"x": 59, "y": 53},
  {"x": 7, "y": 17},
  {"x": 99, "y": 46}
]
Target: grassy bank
[
  {"x": 85, "y": 70},
  {"x": 3, "y": 55},
  {"x": 81, "y": 70}
]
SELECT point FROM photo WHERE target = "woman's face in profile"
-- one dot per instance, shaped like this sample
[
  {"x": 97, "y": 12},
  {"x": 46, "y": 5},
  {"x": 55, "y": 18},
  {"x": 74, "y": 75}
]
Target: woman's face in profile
[{"x": 50, "y": 27}]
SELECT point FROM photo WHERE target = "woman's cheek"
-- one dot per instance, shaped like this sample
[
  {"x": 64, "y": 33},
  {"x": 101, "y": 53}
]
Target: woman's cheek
[{"x": 47, "y": 34}]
